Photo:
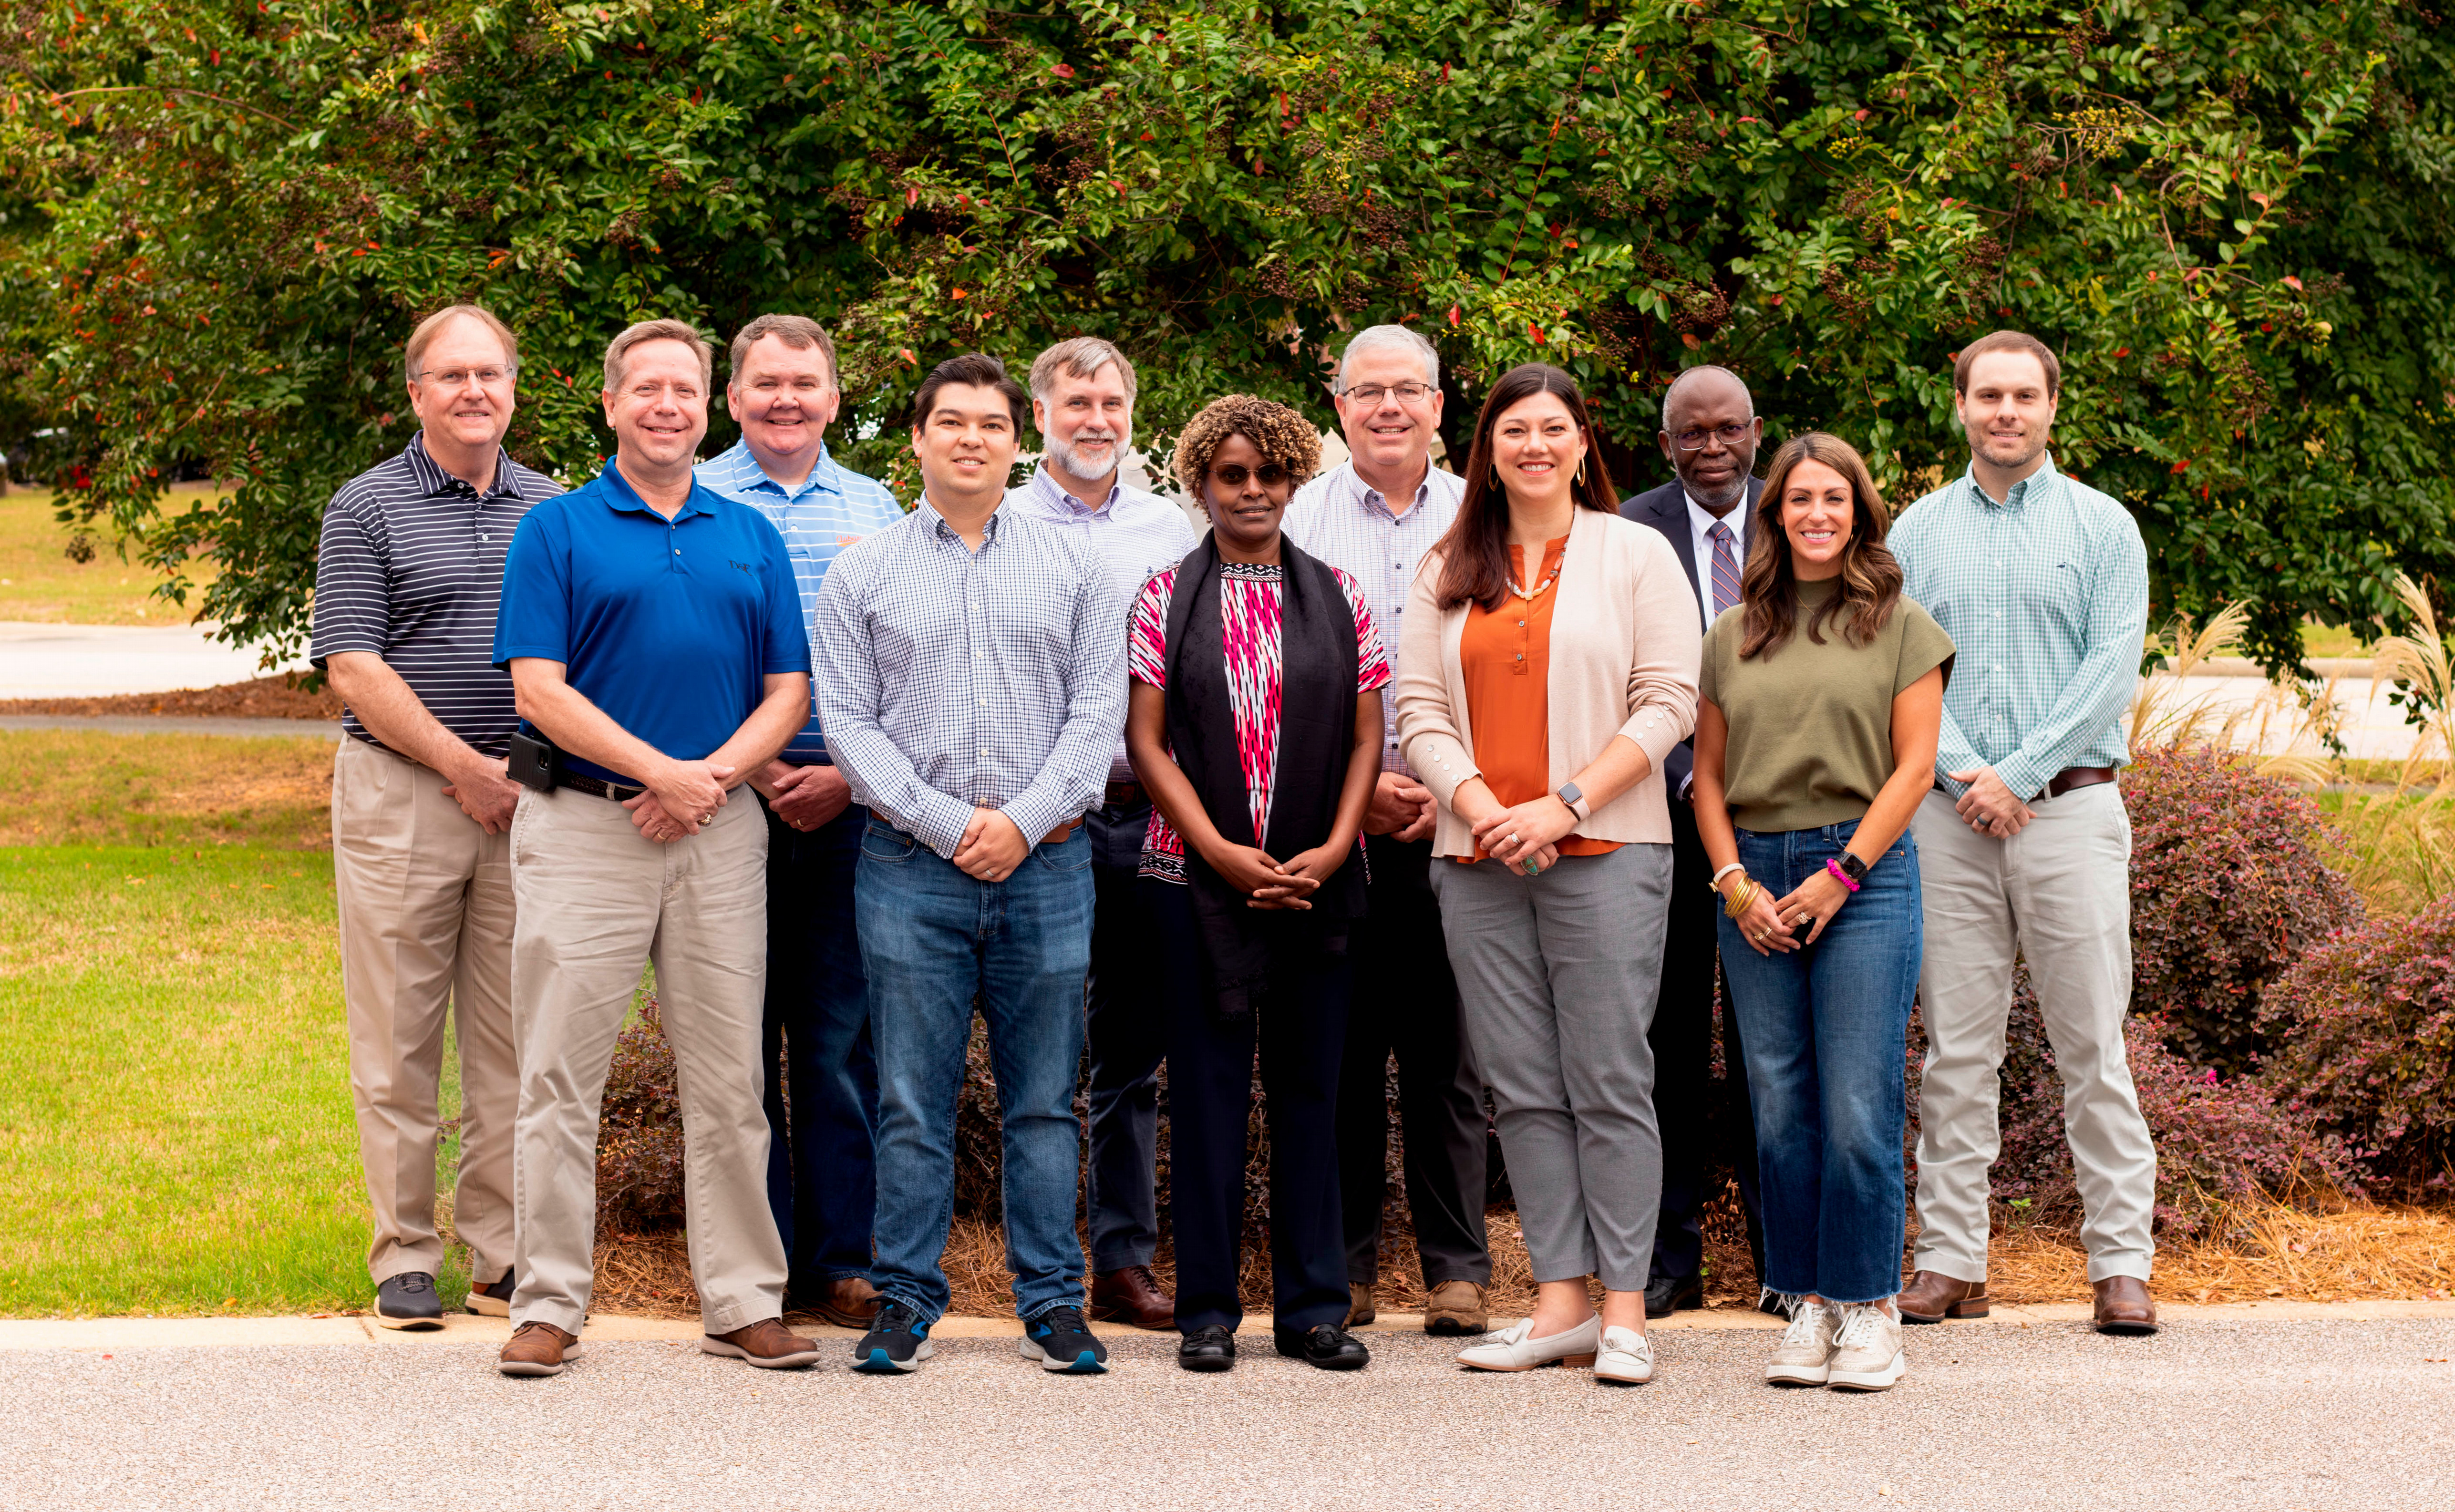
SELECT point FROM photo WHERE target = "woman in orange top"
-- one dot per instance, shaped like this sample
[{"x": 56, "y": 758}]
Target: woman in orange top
[{"x": 1547, "y": 664}]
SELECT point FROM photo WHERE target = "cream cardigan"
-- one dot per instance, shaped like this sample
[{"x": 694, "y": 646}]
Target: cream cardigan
[{"x": 1625, "y": 642}]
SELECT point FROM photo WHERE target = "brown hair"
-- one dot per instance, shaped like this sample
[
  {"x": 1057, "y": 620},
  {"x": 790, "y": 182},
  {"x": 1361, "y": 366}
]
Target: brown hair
[
  {"x": 1474, "y": 553},
  {"x": 1080, "y": 358},
  {"x": 432, "y": 326},
  {"x": 1278, "y": 433},
  {"x": 976, "y": 369},
  {"x": 618, "y": 350},
  {"x": 797, "y": 332},
  {"x": 2007, "y": 341},
  {"x": 1870, "y": 580}
]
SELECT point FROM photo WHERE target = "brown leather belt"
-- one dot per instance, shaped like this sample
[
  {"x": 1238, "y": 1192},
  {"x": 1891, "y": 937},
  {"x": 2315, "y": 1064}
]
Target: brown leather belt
[
  {"x": 614, "y": 791},
  {"x": 1056, "y": 836},
  {"x": 2064, "y": 782},
  {"x": 1126, "y": 795}
]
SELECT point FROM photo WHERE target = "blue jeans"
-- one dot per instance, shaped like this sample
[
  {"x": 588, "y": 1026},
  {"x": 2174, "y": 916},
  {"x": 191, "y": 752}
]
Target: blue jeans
[
  {"x": 933, "y": 941},
  {"x": 1826, "y": 1029},
  {"x": 822, "y": 1107}
]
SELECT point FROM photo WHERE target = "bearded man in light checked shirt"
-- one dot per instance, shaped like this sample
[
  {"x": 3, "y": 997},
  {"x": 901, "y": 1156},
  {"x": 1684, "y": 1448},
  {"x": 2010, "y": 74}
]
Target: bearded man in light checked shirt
[
  {"x": 972, "y": 680},
  {"x": 2025, "y": 847},
  {"x": 1083, "y": 405},
  {"x": 823, "y": 1104}
]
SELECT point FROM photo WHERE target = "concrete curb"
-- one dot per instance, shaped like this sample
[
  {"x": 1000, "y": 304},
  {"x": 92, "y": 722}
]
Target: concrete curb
[{"x": 211, "y": 1333}]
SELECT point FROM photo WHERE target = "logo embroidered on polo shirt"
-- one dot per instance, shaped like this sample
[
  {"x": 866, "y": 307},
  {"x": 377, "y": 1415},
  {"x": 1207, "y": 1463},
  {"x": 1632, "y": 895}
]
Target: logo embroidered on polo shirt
[{"x": 738, "y": 567}]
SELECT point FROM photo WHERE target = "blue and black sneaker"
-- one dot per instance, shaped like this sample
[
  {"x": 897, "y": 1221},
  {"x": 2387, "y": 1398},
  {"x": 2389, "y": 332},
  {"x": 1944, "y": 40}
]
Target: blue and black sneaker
[
  {"x": 1062, "y": 1342},
  {"x": 897, "y": 1339}
]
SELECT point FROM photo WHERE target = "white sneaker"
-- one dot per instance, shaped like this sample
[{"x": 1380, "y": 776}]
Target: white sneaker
[
  {"x": 1804, "y": 1356},
  {"x": 1867, "y": 1351},
  {"x": 1626, "y": 1357},
  {"x": 1513, "y": 1348}
]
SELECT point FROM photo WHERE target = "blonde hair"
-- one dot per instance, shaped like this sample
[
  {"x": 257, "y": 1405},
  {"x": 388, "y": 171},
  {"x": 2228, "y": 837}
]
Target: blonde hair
[
  {"x": 432, "y": 326},
  {"x": 647, "y": 331}
]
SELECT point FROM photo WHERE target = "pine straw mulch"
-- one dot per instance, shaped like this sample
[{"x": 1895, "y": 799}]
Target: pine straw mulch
[
  {"x": 2271, "y": 1252},
  {"x": 275, "y": 697}
]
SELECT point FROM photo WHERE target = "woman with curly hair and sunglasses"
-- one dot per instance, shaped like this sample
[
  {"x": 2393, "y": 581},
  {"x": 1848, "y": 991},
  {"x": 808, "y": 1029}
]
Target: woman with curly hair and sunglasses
[
  {"x": 1821, "y": 700},
  {"x": 1255, "y": 724}
]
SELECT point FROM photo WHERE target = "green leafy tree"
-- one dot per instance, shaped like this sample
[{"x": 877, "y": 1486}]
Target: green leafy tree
[{"x": 222, "y": 219}]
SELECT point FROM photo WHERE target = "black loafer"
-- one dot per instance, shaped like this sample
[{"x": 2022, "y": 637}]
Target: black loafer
[
  {"x": 408, "y": 1300},
  {"x": 1323, "y": 1347},
  {"x": 1209, "y": 1349},
  {"x": 1665, "y": 1295}
]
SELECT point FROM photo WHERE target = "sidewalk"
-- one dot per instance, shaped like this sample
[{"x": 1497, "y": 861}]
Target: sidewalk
[
  {"x": 84, "y": 661},
  {"x": 2221, "y": 1410}
]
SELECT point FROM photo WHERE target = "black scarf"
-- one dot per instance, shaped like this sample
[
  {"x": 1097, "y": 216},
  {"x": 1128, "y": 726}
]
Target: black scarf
[{"x": 1316, "y": 740}]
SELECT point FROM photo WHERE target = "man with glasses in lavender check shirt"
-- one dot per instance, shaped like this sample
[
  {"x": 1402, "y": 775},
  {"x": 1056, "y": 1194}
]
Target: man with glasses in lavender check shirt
[
  {"x": 1373, "y": 516},
  {"x": 1083, "y": 405}
]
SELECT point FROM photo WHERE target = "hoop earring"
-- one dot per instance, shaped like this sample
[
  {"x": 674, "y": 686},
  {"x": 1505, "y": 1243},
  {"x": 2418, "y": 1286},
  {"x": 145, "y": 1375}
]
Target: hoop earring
[{"x": 1581, "y": 472}]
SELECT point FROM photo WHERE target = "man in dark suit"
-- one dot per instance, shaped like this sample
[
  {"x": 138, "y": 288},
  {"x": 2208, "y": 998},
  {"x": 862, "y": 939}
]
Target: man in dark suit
[{"x": 1709, "y": 436}]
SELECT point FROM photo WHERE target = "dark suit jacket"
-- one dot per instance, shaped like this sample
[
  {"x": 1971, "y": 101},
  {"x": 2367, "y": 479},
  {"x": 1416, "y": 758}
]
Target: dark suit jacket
[{"x": 1666, "y": 509}]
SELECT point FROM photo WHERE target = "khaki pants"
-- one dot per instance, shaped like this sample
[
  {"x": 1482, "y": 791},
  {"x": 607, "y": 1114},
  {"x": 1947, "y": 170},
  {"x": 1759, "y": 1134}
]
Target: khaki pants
[
  {"x": 596, "y": 901},
  {"x": 426, "y": 925},
  {"x": 2060, "y": 894}
]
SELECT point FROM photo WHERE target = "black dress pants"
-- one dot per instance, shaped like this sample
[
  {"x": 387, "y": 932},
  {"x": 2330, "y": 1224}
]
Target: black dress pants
[
  {"x": 1406, "y": 1000},
  {"x": 1125, "y": 1032},
  {"x": 1682, "y": 1038},
  {"x": 1298, "y": 1031}
]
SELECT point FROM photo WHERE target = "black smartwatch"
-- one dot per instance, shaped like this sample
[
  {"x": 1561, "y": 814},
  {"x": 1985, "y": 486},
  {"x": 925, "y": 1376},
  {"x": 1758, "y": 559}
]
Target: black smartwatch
[{"x": 1853, "y": 868}]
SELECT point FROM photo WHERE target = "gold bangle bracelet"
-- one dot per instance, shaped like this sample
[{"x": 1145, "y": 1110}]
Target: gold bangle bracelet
[{"x": 1742, "y": 896}]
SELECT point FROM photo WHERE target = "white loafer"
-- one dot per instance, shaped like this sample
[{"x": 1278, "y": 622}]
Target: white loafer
[
  {"x": 1627, "y": 1358},
  {"x": 1513, "y": 1349}
]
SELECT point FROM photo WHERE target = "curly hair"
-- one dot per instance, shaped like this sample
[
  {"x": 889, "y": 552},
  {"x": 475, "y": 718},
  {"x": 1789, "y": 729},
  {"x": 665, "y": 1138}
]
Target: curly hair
[{"x": 1278, "y": 433}]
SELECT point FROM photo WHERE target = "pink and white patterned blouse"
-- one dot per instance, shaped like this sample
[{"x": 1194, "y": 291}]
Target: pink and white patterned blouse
[{"x": 1248, "y": 626}]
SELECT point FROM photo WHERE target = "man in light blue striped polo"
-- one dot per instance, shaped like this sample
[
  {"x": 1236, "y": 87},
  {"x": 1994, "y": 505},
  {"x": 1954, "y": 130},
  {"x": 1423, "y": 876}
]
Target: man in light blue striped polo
[
  {"x": 821, "y": 1179},
  {"x": 2024, "y": 846}
]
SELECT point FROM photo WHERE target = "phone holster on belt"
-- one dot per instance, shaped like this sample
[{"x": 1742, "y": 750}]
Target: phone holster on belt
[{"x": 534, "y": 762}]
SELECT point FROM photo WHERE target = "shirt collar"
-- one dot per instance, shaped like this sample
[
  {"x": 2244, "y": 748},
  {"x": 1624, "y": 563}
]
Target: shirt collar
[
  {"x": 434, "y": 481},
  {"x": 938, "y": 530},
  {"x": 1372, "y": 498},
  {"x": 1703, "y": 520},
  {"x": 2016, "y": 497},
  {"x": 622, "y": 497},
  {"x": 748, "y": 476},
  {"x": 1052, "y": 496}
]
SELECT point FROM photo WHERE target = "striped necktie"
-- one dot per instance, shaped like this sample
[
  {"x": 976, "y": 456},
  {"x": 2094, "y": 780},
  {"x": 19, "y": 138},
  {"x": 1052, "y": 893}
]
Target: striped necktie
[{"x": 1726, "y": 568}]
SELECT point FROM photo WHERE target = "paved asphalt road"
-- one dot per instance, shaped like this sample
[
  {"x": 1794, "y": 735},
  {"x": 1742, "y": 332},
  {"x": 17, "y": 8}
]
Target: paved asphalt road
[{"x": 2210, "y": 1414}]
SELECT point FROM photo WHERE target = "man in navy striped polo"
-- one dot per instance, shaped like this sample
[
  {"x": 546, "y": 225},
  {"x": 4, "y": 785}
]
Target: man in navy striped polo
[
  {"x": 823, "y": 1103},
  {"x": 407, "y": 580}
]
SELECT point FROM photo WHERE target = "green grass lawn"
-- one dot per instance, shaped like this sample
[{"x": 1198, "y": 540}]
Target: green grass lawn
[{"x": 38, "y": 582}]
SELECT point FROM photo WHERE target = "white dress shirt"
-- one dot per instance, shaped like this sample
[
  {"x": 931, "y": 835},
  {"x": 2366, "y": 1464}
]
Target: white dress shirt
[{"x": 1701, "y": 519}]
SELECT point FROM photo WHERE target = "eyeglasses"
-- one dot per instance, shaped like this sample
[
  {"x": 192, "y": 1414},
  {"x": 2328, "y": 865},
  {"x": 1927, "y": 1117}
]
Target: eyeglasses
[
  {"x": 457, "y": 377},
  {"x": 1269, "y": 474},
  {"x": 1373, "y": 392},
  {"x": 1692, "y": 439}
]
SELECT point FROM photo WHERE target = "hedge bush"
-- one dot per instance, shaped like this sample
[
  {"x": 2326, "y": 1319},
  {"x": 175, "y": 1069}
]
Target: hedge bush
[
  {"x": 640, "y": 1136},
  {"x": 2233, "y": 877},
  {"x": 2371, "y": 1050}
]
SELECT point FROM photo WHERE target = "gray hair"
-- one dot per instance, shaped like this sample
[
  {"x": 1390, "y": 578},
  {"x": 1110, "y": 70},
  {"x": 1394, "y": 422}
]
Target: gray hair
[
  {"x": 414, "y": 355},
  {"x": 1079, "y": 357},
  {"x": 647, "y": 331},
  {"x": 1391, "y": 339}
]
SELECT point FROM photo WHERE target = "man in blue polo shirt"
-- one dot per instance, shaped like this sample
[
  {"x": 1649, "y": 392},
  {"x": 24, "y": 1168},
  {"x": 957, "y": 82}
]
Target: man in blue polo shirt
[
  {"x": 822, "y": 1102},
  {"x": 654, "y": 637}
]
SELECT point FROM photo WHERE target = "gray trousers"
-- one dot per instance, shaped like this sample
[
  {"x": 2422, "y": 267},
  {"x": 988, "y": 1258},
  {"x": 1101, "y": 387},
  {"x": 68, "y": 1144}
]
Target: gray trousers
[
  {"x": 596, "y": 899},
  {"x": 2058, "y": 893},
  {"x": 1556, "y": 978}
]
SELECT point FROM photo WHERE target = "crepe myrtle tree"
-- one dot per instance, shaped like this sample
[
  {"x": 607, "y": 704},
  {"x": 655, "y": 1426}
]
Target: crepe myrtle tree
[{"x": 221, "y": 220}]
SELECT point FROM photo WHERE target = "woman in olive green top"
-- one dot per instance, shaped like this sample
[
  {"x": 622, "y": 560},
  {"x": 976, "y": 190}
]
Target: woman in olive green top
[{"x": 1820, "y": 695}]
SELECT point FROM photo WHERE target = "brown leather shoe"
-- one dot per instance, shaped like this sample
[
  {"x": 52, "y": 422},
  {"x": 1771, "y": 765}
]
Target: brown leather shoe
[
  {"x": 1456, "y": 1309},
  {"x": 537, "y": 1349},
  {"x": 1931, "y": 1297},
  {"x": 766, "y": 1343},
  {"x": 1131, "y": 1296},
  {"x": 1359, "y": 1304},
  {"x": 849, "y": 1302},
  {"x": 2123, "y": 1306}
]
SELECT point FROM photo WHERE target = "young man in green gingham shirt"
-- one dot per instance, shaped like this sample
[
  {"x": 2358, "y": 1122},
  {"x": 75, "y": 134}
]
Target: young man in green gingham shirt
[{"x": 2042, "y": 584}]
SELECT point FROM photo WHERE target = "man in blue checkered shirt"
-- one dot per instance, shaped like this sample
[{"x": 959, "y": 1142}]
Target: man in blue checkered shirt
[
  {"x": 972, "y": 671},
  {"x": 821, "y": 1101},
  {"x": 2024, "y": 847}
]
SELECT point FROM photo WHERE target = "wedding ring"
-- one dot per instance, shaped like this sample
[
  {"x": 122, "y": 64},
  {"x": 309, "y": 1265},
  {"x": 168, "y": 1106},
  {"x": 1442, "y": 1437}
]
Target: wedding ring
[{"x": 706, "y": 819}]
